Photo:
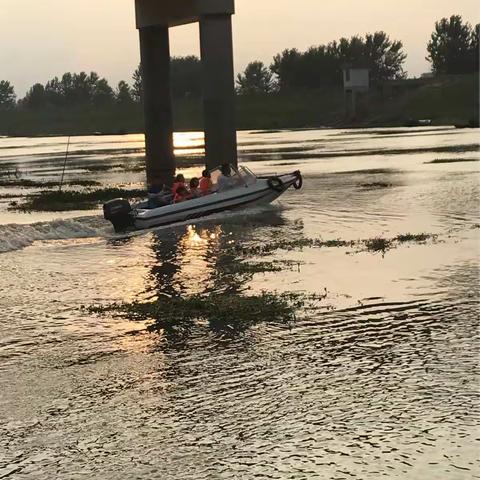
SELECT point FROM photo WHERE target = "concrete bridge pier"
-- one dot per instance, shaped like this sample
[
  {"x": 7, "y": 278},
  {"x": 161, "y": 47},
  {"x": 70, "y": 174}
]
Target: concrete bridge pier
[
  {"x": 216, "y": 48},
  {"x": 157, "y": 102},
  {"x": 154, "y": 18}
]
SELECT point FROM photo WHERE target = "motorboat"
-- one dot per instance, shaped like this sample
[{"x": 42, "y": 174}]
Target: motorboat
[{"x": 244, "y": 190}]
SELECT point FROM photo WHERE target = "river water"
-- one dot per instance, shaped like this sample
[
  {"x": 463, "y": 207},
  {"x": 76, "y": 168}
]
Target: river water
[{"x": 380, "y": 381}]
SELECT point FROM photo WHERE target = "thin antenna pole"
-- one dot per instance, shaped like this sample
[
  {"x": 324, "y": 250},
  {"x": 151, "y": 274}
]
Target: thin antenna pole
[{"x": 64, "y": 164}]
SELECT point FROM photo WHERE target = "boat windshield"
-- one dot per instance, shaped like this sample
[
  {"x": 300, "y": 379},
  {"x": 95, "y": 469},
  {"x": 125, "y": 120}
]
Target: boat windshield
[
  {"x": 239, "y": 176},
  {"x": 248, "y": 177}
]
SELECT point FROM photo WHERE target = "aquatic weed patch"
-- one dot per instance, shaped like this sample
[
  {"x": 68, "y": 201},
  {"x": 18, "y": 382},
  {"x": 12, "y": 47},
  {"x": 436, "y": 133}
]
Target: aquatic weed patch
[
  {"x": 57, "y": 201},
  {"x": 452, "y": 160},
  {"x": 225, "y": 313},
  {"x": 101, "y": 168},
  {"x": 250, "y": 268},
  {"x": 289, "y": 245},
  {"x": 417, "y": 237},
  {"x": 376, "y": 185},
  {"x": 9, "y": 170},
  {"x": 379, "y": 244},
  {"x": 25, "y": 183},
  {"x": 374, "y": 245}
]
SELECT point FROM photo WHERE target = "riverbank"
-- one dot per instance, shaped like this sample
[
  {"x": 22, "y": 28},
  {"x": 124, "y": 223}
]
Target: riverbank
[{"x": 450, "y": 100}]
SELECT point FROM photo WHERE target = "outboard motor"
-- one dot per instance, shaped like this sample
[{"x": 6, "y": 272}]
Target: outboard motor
[{"x": 119, "y": 212}]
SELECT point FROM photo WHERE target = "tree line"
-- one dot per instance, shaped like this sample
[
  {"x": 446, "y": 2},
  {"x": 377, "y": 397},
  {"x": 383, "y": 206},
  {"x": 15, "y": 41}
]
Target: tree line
[
  {"x": 82, "y": 89},
  {"x": 453, "y": 49}
]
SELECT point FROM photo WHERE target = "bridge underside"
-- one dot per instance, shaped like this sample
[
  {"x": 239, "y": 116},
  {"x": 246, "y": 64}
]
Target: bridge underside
[{"x": 154, "y": 18}]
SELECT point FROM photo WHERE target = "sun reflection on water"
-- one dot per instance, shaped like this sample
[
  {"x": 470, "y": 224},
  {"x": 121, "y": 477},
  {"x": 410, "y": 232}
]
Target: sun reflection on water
[
  {"x": 191, "y": 141},
  {"x": 197, "y": 263}
]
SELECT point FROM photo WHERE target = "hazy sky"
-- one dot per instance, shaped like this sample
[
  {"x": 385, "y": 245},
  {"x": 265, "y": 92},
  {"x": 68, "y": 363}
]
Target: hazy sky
[{"x": 43, "y": 38}]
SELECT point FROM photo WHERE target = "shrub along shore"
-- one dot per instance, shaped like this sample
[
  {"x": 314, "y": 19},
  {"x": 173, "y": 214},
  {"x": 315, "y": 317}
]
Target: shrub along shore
[{"x": 448, "y": 100}]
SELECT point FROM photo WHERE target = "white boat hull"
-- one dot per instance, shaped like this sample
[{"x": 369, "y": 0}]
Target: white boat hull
[
  {"x": 263, "y": 191},
  {"x": 241, "y": 197}
]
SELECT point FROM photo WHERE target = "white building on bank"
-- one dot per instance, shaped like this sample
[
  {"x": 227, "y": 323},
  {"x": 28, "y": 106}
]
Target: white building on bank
[{"x": 356, "y": 80}]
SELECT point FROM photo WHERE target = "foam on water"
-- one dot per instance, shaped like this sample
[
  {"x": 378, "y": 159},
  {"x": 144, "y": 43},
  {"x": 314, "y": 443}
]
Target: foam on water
[
  {"x": 220, "y": 217},
  {"x": 17, "y": 236}
]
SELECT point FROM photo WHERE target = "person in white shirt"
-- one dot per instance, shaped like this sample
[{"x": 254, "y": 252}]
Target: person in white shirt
[{"x": 225, "y": 180}]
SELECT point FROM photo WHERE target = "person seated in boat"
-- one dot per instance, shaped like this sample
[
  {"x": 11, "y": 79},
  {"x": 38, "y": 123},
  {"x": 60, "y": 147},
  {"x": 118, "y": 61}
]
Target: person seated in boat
[
  {"x": 182, "y": 195},
  {"x": 206, "y": 183},
  {"x": 194, "y": 188},
  {"x": 159, "y": 196},
  {"x": 178, "y": 182},
  {"x": 225, "y": 180}
]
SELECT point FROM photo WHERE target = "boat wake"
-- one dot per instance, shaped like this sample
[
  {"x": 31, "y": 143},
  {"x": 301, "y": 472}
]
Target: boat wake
[
  {"x": 17, "y": 236},
  {"x": 228, "y": 216}
]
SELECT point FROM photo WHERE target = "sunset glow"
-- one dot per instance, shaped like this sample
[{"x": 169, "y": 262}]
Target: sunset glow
[{"x": 101, "y": 36}]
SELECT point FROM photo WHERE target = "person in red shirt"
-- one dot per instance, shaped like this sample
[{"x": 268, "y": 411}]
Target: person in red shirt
[
  {"x": 206, "y": 183},
  {"x": 179, "y": 182}
]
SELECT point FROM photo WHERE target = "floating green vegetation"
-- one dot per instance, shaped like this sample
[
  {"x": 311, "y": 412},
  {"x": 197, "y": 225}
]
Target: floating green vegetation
[
  {"x": 128, "y": 167},
  {"x": 9, "y": 171},
  {"x": 40, "y": 184},
  {"x": 375, "y": 244},
  {"x": 381, "y": 245},
  {"x": 57, "y": 201},
  {"x": 100, "y": 168},
  {"x": 285, "y": 164},
  {"x": 226, "y": 313},
  {"x": 378, "y": 244},
  {"x": 265, "y": 132},
  {"x": 453, "y": 160},
  {"x": 134, "y": 168},
  {"x": 375, "y": 185},
  {"x": 291, "y": 245},
  {"x": 138, "y": 166},
  {"x": 370, "y": 171},
  {"x": 249, "y": 268},
  {"x": 418, "y": 237}
]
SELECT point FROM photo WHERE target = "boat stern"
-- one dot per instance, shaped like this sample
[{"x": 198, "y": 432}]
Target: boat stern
[{"x": 120, "y": 213}]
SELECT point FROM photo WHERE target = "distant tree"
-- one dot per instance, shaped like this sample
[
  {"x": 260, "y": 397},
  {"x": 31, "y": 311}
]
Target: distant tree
[
  {"x": 257, "y": 78},
  {"x": 286, "y": 67},
  {"x": 123, "y": 94},
  {"x": 53, "y": 92},
  {"x": 322, "y": 65},
  {"x": 82, "y": 88},
  {"x": 319, "y": 67},
  {"x": 35, "y": 97},
  {"x": 384, "y": 57},
  {"x": 7, "y": 95},
  {"x": 349, "y": 50},
  {"x": 186, "y": 76},
  {"x": 453, "y": 46},
  {"x": 78, "y": 89},
  {"x": 66, "y": 88},
  {"x": 102, "y": 93},
  {"x": 73, "y": 89},
  {"x": 137, "y": 86},
  {"x": 474, "y": 47},
  {"x": 185, "y": 73}
]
